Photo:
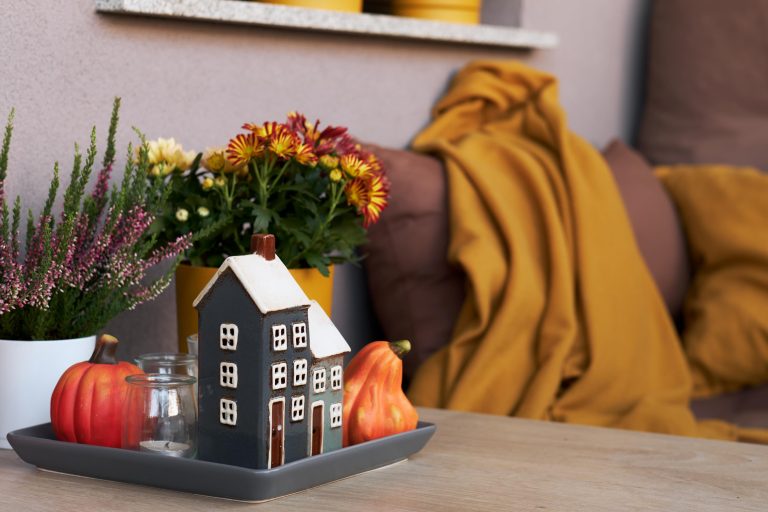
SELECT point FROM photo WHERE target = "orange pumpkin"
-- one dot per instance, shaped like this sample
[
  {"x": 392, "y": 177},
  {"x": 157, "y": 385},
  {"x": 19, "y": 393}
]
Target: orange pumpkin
[
  {"x": 87, "y": 403},
  {"x": 374, "y": 403}
]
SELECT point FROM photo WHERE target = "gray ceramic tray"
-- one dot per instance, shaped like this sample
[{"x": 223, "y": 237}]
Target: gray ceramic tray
[{"x": 37, "y": 445}]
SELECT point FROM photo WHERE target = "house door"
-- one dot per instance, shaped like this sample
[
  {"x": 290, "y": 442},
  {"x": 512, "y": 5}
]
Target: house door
[
  {"x": 316, "y": 440},
  {"x": 277, "y": 441}
]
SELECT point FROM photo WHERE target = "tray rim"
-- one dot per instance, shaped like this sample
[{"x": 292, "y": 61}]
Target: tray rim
[{"x": 29, "y": 442}]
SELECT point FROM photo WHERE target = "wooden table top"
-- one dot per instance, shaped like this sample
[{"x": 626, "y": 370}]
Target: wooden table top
[{"x": 474, "y": 463}]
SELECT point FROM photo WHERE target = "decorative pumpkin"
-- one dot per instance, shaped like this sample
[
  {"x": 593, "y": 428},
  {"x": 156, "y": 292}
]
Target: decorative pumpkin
[
  {"x": 87, "y": 403},
  {"x": 374, "y": 403}
]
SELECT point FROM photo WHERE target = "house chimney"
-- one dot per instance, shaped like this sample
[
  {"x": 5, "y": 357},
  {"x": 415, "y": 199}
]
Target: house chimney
[{"x": 264, "y": 246}]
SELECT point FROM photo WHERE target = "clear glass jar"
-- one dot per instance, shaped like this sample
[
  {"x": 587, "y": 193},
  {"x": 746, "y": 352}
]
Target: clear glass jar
[
  {"x": 168, "y": 363},
  {"x": 160, "y": 415}
]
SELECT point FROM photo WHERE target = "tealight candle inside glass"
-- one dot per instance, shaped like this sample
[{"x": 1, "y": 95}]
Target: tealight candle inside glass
[{"x": 160, "y": 415}]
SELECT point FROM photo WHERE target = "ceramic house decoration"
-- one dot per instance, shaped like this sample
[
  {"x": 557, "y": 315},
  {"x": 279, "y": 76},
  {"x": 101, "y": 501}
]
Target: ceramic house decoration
[{"x": 270, "y": 366}]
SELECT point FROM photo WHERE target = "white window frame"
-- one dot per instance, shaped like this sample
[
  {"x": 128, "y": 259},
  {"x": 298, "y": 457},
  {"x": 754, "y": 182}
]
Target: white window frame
[
  {"x": 318, "y": 380},
  {"x": 299, "y": 335},
  {"x": 336, "y": 414},
  {"x": 300, "y": 369},
  {"x": 279, "y": 375},
  {"x": 228, "y": 334},
  {"x": 279, "y": 338},
  {"x": 228, "y": 375},
  {"x": 228, "y": 412},
  {"x": 297, "y": 408},
  {"x": 336, "y": 377}
]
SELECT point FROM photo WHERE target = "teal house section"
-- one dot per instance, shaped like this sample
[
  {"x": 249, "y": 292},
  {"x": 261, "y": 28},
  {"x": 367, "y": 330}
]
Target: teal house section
[{"x": 327, "y": 378}]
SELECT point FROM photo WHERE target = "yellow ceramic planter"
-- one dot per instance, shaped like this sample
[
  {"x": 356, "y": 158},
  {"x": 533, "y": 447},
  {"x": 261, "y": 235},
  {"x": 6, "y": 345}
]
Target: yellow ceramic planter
[
  {"x": 455, "y": 11},
  {"x": 191, "y": 280},
  {"x": 333, "y": 5}
]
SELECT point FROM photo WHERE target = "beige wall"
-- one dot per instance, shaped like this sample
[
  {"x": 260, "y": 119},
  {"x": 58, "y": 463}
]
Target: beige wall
[{"x": 61, "y": 64}]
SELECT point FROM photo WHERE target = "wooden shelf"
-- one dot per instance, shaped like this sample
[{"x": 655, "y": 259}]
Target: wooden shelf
[{"x": 277, "y": 16}]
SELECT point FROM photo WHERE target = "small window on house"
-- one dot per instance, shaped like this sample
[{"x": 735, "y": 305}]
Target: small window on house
[
  {"x": 299, "y": 372},
  {"x": 279, "y": 338},
  {"x": 299, "y": 335},
  {"x": 335, "y": 415},
  {"x": 228, "y": 336},
  {"x": 228, "y": 375},
  {"x": 228, "y": 412},
  {"x": 297, "y": 408},
  {"x": 279, "y": 375},
  {"x": 318, "y": 380},
  {"x": 336, "y": 377}
]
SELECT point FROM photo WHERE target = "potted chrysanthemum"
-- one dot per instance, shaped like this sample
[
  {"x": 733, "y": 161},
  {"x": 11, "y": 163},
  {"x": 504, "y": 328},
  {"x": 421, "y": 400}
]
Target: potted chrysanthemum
[
  {"x": 316, "y": 189},
  {"x": 75, "y": 271}
]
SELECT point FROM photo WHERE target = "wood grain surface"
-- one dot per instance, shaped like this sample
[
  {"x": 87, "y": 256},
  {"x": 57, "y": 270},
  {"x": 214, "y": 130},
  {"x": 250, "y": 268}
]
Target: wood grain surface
[{"x": 474, "y": 463}]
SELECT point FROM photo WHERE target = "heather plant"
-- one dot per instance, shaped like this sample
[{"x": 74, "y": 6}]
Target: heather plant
[
  {"x": 315, "y": 188},
  {"x": 78, "y": 269}
]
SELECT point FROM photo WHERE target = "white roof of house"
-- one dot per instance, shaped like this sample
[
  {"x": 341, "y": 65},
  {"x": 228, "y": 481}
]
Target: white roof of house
[
  {"x": 325, "y": 340},
  {"x": 268, "y": 282}
]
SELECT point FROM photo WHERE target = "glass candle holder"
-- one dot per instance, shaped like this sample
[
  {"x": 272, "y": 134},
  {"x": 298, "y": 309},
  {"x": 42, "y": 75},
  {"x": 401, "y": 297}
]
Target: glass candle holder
[
  {"x": 192, "y": 344},
  {"x": 160, "y": 415},
  {"x": 168, "y": 363}
]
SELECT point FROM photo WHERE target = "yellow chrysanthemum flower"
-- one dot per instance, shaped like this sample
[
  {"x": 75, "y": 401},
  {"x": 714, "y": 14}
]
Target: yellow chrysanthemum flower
[
  {"x": 305, "y": 156},
  {"x": 170, "y": 153},
  {"x": 207, "y": 184},
  {"x": 329, "y": 162},
  {"x": 335, "y": 175},
  {"x": 283, "y": 144},
  {"x": 270, "y": 130},
  {"x": 369, "y": 196},
  {"x": 242, "y": 149},
  {"x": 353, "y": 166},
  {"x": 214, "y": 159}
]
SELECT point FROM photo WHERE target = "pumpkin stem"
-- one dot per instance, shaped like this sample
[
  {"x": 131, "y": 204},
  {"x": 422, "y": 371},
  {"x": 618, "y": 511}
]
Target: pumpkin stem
[
  {"x": 400, "y": 348},
  {"x": 104, "y": 353}
]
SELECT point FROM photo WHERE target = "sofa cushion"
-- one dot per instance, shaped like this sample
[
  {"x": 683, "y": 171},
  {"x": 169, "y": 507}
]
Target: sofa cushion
[
  {"x": 706, "y": 98},
  {"x": 654, "y": 222},
  {"x": 415, "y": 292},
  {"x": 746, "y": 408}
]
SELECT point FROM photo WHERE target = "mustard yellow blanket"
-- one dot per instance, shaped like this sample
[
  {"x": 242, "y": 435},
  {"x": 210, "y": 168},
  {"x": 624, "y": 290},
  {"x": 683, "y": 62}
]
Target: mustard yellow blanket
[{"x": 562, "y": 320}]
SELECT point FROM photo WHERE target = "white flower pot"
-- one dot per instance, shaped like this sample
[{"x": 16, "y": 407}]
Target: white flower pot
[{"x": 29, "y": 370}]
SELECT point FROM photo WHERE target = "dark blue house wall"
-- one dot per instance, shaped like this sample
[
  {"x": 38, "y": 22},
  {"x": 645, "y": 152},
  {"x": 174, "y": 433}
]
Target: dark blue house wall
[
  {"x": 247, "y": 443},
  {"x": 228, "y": 302},
  {"x": 296, "y": 433}
]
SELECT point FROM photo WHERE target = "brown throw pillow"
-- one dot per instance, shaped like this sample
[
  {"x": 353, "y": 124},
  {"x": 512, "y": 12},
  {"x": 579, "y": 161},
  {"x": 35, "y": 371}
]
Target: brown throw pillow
[
  {"x": 654, "y": 222},
  {"x": 706, "y": 99},
  {"x": 415, "y": 293},
  {"x": 725, "y": 214}
]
